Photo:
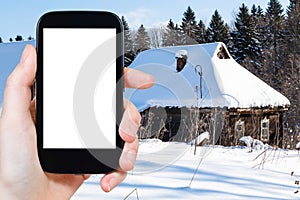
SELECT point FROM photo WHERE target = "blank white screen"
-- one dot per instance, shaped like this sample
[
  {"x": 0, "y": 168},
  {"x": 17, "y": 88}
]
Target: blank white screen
[{"x": 65, "y": 51}]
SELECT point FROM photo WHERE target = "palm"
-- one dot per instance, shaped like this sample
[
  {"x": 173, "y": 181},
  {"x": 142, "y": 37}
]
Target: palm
[{"x": 31, "y": 178}]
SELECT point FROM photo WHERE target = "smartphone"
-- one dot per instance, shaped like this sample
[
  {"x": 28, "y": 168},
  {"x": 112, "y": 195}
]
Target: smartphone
[{"x": 79, "y": 91}]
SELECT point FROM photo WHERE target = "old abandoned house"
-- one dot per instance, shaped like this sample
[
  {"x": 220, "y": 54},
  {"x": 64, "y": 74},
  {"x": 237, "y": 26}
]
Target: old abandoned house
[{"x": 209, "y": 92}]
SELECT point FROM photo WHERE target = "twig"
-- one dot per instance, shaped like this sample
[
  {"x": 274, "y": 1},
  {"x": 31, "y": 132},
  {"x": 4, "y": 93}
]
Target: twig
[
  {"x": 196, "y": 170},
  {"x": 259, "y": 154},
  {"x": 263, "y": 160},
  {"x": 136, "y": 192}
]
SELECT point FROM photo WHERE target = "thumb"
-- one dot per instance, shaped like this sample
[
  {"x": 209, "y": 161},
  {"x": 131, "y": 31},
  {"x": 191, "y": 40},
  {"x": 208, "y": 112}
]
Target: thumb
[{"x": 17, "y": 95}]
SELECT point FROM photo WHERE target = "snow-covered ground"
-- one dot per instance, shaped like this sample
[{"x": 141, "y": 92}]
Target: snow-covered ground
[{"x": 224, "y": 173}]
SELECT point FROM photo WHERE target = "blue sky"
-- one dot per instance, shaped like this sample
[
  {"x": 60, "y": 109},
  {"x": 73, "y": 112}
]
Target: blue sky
[{"x": 20, "y": 17}]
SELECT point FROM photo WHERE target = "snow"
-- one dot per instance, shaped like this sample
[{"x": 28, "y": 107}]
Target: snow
[
  {"x": 254, "y": 143},
  {"x": 151, "y": 146},
  {"x": 200, "y": 138},
  {"x": 248, "y": 140},
  {"x": 225, "y": 83},
  {"x": 224, "y": 173},
  {"x": 298, "y": 145},
  {"x": 259, "y": 145},
  {"x": 10, "y": 54}
]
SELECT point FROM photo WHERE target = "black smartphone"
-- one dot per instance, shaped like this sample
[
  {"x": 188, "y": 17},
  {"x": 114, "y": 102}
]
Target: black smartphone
[{"x": 79, "y": 91}]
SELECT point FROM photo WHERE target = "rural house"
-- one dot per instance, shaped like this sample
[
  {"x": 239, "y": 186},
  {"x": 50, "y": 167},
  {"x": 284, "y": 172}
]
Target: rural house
[{"x": 201, "y": 88}]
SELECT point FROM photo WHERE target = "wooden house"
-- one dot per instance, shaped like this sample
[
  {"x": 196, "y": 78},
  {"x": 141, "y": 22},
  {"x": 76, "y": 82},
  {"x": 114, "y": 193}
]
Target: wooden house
[{"x": 211, "y": 93}]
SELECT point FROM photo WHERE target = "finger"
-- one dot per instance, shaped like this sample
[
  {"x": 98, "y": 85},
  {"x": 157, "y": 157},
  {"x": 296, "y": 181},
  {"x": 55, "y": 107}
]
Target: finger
[
  {"x": 129, "y": 154},
  {"x": 66, "y": 184},
  {"x": 130, "y": 122},
  {"x": 110, "y": 181},
  {"x": 86, "y": 176},
  {"x": 17, "y": 95},
  {"x": 137, "y": 79}
]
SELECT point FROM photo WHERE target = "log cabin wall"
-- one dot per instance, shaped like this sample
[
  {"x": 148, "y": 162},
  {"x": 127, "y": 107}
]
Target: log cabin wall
[{"x": 180, "y": 124}]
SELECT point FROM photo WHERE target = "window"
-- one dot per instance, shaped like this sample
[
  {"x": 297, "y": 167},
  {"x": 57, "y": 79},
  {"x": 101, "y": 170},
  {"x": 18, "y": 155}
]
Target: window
[
  {"x": 239, "y": 129},
  {"x": 265, "y": 133}
]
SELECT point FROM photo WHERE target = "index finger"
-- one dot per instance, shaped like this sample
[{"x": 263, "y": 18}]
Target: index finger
[{"x": 137, "y": 79}]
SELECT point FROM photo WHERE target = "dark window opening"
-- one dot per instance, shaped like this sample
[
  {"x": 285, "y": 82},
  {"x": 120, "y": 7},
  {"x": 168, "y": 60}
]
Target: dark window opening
[
  {"x": 181, "y": 62},
  {"x": 222, "y": 54}
]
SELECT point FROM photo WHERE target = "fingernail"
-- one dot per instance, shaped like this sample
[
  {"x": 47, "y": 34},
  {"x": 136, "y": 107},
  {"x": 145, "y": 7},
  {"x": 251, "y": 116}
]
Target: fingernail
[
  {"x": 24, "y": 55},
  {"x": 108, "y": 188},
  {"x": 111, "y": 184}
]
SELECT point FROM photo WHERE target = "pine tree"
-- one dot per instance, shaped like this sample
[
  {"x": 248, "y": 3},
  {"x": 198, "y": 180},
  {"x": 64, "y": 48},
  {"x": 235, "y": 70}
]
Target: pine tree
[
  {"x": 259, "y": 28},
  {"x": 253, "y": 10},
  {"x": 293, "y": 26},
  {"x": 258, "y": 18},
  {"x": 128, "y": 44},
  {"x": 142, "y": 40},
  {"x": 246, "y": 45},
  {"x": 19, "y": 38},
  {"x": 256, "y": 12},
  {"x": 10, "y": 39},
  {"x": 30, "y": 38},
  {"x": 259, "y": 21},
  {"x": 200, "y": 34},
  {"x": 189, "y": 26},
  {"x": 292, "y": 67},
  {"x": 217, "y": 30},
  {"x": 274, "y": 44},
  {"x": 169, "y": 34},
  {"x": 172, "y": 35}
]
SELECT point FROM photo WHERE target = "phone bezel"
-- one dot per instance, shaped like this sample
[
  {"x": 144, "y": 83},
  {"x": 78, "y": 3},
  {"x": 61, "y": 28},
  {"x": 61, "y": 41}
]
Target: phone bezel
[{"x": 79, "y": 161}]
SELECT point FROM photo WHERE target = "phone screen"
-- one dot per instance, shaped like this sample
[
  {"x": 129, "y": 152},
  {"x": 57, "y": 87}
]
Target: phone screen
[{"x": 69, "y": 54}]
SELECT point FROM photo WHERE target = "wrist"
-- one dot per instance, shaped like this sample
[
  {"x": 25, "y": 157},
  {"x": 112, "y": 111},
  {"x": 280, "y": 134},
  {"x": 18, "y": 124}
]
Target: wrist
[
  {"x": 12, "y": 192},
  {"x": 6, "y": 193}
]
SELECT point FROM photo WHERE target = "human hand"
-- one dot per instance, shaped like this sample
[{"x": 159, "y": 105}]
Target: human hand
[
  {"x": 21, "y": 176},
  {"x": 128, "y": 128}
]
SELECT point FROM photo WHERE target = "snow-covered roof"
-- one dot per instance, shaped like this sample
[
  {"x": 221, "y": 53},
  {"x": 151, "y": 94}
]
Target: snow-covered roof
[
  {"x": 10, "y": 54},
  {"x": 224, "y": 83}
]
